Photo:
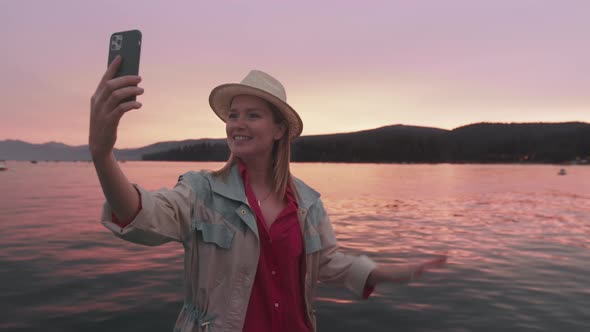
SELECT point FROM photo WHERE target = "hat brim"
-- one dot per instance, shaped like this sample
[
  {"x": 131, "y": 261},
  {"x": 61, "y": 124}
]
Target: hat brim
[{"x": 221, "y": 97}]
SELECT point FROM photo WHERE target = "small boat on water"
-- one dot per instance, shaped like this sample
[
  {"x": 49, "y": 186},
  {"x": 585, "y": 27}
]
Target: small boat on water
[
  {"x": 562, "y": 172},
  {"x": 3, "y": 166}
]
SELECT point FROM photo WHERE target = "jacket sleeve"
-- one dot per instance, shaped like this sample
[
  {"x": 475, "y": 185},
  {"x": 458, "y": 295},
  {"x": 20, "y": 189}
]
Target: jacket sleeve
[
  {"x": 337, "y": 267},
  {"x": 165, "y": 216}
]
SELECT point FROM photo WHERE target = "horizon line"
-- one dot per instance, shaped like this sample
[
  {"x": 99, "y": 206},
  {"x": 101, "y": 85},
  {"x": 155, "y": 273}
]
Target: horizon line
[{"x": 333, "y": 133}]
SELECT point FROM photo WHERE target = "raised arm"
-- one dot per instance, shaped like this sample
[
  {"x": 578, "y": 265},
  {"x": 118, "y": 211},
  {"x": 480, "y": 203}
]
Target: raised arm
[{"x": 106, "y": 110}]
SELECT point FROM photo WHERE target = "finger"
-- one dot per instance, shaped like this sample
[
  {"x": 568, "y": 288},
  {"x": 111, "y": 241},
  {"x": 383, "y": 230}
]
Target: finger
[
  {"x": 440, "y": 259},
  {"x": 109, "y": 83},
  {"x": 108, "y": 74},
  {"x": 429, "y": 264},
  {"x": 123, "y": 81},
  {"x": 117, "y": 96},
  {"x": 111, "y": 69},
  {"x": 435, "y": 263},
  {"x": 116, "y": 83},
  {"x": 123, "y": 108}
]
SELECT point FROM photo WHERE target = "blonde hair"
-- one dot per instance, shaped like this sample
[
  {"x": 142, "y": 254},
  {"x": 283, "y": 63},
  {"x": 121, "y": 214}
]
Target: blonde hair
[{"x": 281, "y": 159}]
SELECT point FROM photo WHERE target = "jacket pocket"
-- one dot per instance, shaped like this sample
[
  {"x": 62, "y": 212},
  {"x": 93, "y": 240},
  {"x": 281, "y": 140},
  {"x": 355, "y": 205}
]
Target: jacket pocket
[
  {"x": 313, "y": 243},
  {"x": 218, "y": 234}
]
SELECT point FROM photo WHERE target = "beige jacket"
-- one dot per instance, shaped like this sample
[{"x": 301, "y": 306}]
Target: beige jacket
[{"x": 212, "y": 219}]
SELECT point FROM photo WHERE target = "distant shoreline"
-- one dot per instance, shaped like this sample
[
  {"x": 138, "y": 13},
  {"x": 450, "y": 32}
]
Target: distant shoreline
[
  {"x": 316, "y": 162},
  {"x": 481, "y": 143}
]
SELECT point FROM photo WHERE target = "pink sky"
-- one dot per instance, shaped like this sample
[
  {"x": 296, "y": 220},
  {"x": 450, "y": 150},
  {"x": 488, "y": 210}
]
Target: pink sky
[{"x": 347, "y": 65}]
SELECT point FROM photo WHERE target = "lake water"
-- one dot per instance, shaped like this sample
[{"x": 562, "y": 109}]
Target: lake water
[{"x": 518, "y": 239}]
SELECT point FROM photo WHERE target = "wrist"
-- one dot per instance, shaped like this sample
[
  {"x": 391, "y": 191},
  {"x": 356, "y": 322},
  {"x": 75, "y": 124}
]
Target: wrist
[{"x": 378, "y": 275}]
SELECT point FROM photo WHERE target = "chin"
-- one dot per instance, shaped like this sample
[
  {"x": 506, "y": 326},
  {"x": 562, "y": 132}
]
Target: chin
[
  {"x": 246, "y": 152},
  {"x": 243, "y": 152}
]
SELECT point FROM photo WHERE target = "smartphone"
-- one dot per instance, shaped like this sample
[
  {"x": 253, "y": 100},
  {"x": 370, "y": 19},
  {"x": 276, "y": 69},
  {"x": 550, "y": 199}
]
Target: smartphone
[{"x": 127, "y": 44}]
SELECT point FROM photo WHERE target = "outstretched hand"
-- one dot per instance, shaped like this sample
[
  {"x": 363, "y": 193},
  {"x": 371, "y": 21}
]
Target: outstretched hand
[
  {"x": 403, "y": 273},
  {"x": 431, "y": 264}
]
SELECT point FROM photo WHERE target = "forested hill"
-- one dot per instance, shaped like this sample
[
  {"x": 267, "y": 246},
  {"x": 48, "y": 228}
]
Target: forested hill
[{"x": 476, "y": 143}]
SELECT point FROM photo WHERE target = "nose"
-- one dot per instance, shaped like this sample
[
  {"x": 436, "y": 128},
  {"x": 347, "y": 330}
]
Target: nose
[{"x": 238, "y": 122}]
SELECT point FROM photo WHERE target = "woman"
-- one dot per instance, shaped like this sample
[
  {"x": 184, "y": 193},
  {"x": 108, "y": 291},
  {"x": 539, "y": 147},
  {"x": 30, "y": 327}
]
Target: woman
[{"x": 256, "y": 239}]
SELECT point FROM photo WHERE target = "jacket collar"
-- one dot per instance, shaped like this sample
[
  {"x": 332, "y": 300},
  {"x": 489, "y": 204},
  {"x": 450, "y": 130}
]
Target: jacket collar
[
  {"x": 233, "y": 188},
  {"x": 306, "y": 195}
]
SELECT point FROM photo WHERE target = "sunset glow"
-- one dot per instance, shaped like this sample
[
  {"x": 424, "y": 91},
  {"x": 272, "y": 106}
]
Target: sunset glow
[{"x": 346, "y": 65}]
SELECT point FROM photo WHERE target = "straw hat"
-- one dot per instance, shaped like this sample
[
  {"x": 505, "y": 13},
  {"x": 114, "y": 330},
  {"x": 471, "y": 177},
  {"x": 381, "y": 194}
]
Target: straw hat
[{"x": 260, "y": 84}]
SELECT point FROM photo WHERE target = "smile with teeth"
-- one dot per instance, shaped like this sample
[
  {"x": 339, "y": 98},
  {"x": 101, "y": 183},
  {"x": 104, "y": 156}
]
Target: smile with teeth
[{"x": 241, "y": 138}]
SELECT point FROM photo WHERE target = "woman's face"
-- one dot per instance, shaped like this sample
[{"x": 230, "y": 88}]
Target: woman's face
[{"x": 251, "y": 128}]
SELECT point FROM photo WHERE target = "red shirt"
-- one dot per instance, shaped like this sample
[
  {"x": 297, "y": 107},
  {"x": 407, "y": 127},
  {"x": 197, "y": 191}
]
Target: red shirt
[{"x": 277, "y": 301}]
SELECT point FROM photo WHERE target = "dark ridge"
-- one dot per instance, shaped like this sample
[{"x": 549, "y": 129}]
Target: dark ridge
[{"x": 567, "y": 142}]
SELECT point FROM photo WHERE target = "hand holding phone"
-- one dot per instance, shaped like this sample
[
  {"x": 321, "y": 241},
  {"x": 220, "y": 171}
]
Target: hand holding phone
[
  {"x": 127, "y": 44},
  {"x": 115, "y": 93}
]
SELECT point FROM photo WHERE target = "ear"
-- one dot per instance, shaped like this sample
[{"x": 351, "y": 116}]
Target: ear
[{"x": 280, "y": 130}]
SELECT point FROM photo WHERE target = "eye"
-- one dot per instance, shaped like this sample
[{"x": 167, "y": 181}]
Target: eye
[
  {"x": 253, "y": 115},
  {"x": 232, "y": 115}
]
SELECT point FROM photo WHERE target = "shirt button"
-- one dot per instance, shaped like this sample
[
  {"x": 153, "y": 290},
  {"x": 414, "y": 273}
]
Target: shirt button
[
  {"x": 274, "y": 273},
  {"x": 276, "y": 304},
  {"x": 243, "y": 211}
]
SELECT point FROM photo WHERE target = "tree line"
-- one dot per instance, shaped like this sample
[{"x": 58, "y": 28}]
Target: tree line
[{"x": 476, "y": 143}]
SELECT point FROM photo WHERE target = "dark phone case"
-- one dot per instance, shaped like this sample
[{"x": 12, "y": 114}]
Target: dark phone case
[{"x": 127, "y": 44}]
